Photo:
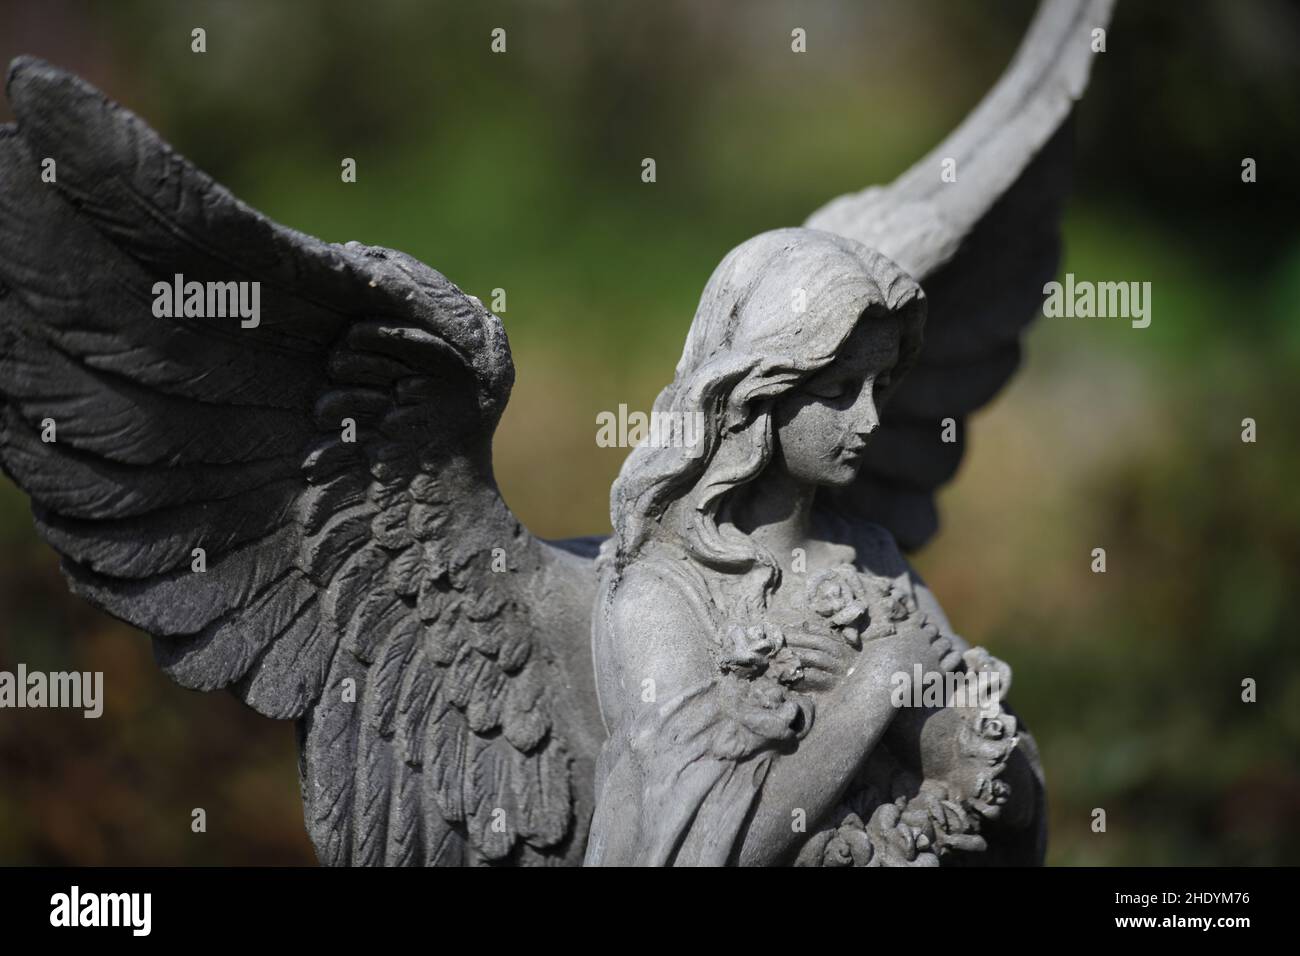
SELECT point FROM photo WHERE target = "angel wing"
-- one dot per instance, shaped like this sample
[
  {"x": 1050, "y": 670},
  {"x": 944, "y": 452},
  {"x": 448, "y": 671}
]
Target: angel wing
[
  {"x": 982, "y": 247},
  {"x": 370, "y": 584}
]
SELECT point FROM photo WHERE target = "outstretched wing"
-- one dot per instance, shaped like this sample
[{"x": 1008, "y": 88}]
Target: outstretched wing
[
  {"x": 303, "y": 511},
  {"x": 982, "y": 247}
]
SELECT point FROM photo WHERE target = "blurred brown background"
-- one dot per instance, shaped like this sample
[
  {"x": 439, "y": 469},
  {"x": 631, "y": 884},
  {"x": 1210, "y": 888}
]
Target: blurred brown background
[{"x": 523, "y": 172}]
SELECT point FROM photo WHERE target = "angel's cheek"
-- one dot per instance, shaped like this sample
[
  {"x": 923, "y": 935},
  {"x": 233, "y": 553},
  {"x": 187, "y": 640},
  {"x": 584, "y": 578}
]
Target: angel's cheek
[{"x": 810, "y": 442}]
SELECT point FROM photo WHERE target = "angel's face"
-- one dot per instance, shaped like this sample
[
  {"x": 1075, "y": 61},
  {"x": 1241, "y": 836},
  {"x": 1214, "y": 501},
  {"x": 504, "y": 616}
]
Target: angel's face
[{"x": 823, "y": 426}]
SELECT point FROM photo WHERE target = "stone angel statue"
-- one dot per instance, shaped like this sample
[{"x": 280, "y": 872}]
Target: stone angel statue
[{"x": 301, "y": 509}]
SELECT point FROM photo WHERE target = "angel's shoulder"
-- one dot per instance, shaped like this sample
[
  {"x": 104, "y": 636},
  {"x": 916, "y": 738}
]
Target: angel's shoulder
[
  {"x": 659, "y": 607},
  {"x": 663, "y": 586}
]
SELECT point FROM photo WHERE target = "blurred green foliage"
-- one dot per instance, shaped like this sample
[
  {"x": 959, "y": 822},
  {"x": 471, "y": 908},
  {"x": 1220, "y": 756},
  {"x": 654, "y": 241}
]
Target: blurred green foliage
[{"x": 522, "y": 172}]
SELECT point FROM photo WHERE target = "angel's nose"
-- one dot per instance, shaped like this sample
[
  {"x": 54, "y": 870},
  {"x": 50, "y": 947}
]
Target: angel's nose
[{"x": 867, "y": 417}]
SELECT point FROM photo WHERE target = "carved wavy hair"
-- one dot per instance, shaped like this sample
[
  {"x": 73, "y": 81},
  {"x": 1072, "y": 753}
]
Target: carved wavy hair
[{"x": 749, "y": 344}]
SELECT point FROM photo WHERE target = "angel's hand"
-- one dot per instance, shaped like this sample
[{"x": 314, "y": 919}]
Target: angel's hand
[
  {"x": 825, "y": 658},
  {"x": 916, "y": 640},
  {"x": 939, "y": 653}
]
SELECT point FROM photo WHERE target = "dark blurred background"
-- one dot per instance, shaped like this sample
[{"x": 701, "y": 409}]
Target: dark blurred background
[{"x": 522, "y": 171}]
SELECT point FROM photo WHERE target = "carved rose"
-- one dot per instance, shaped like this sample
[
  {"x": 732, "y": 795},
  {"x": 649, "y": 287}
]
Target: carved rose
[
  {"x": 759, "y": 649},
  {"x": 984, "y": 744},
  {"x": 897, "y": 602},
  {"x": 758, "y": 711},
  {"x": 849, "y": 845},
  {"x": 746, "y": 648},
  {"x": 992, "y": 728},
  {"x": 978, "y": 659},
  {"x": 836, "y": 594}
]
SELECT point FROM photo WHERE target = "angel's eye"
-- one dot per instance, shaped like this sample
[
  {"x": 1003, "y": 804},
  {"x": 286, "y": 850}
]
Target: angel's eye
[{"x": 828, "y": 390}]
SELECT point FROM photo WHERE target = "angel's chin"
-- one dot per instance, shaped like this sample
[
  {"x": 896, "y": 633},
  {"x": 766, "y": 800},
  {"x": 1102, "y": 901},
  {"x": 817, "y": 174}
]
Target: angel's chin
[{"x": 842, "y": 474}]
